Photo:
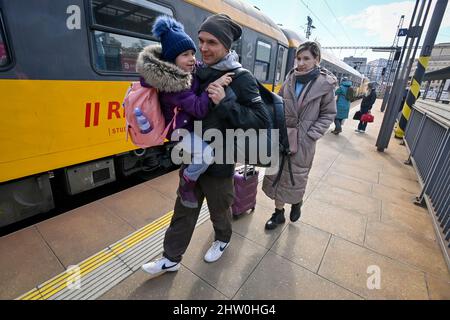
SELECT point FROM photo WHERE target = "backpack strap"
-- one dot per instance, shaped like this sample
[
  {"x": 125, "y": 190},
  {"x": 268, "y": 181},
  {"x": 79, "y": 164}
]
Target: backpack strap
[
  {"x": 172, "y": 122},
  {"x": 280, "y": 171},
  {"x": 308, "y": 88},
  {"x": 123, "y": 106}
]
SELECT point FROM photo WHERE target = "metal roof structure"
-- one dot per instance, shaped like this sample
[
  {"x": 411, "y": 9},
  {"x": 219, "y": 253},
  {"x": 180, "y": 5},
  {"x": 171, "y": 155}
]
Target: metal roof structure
[{"x": 441, "y": 74}]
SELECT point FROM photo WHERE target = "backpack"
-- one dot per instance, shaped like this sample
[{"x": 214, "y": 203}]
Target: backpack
[
  {"x": 147, "y": 100},
  {"x": 274, "y": 106},
  {"x": 350, "y": 95}
]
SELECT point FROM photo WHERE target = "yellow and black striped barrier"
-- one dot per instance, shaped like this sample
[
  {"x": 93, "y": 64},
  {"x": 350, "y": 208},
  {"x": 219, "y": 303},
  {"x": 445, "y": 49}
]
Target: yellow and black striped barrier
[{"x": 413, "y": 94}]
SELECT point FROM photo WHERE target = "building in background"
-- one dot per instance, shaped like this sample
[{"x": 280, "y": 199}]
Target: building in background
[
  {"x": 440, "y": 59},
  {"x": 377, "y": 70},
  {"x": 359, "y": 64}
]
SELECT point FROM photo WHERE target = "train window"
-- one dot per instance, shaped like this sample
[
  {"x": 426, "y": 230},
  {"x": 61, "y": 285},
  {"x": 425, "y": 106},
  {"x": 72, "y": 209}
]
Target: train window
[
  {"x": 122, "y": 28},
  {"x": 281, "y": 64},
  {"x": 262, "y": 61},
  {"x": 4, "y": 56},
  {"x": 136, "y": 16},
  {"x": 115, "y": 52}
]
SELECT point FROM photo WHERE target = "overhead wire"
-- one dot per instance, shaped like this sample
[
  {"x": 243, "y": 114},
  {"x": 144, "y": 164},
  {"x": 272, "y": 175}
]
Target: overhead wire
[
  {"x": 337, "y": 20},
  {"x": 323, "y": 24}
]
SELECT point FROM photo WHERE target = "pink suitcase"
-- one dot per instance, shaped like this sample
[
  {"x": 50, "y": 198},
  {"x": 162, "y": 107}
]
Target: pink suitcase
[{"x": 245, "y": 189}]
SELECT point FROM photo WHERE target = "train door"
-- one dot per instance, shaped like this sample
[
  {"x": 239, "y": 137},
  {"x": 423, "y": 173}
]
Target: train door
[{"x": 281, "y": 64}]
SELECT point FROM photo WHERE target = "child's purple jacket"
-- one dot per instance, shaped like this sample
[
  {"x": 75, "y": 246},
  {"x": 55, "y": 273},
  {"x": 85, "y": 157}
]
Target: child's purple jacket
[
  {"x": 177, "y": 89},
  {"x": 191, "y": 106}
]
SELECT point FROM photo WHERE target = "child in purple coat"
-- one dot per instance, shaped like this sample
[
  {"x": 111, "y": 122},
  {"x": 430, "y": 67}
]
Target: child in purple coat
[{"x": 170, "y": 68}]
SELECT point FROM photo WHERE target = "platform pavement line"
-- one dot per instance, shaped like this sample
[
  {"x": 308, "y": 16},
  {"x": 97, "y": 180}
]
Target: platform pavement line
[
  {"x": 59, "y": 282},
  {"x": 95, "y": 285},
  {"x": 53, "y": 287},
  {"x": 137, "y": 242}
]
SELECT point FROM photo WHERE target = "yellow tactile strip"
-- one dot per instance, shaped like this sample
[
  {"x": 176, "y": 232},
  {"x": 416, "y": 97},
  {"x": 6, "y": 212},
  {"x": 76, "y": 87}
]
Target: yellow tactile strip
[{"x": 60, "y": 282}]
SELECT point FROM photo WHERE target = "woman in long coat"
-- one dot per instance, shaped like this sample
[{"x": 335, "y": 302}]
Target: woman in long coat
[{"x": 310, "y": 108}]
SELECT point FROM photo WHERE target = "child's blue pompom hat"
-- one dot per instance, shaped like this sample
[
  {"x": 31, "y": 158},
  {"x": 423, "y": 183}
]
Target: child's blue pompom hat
[{"x": 174, "y": 39}]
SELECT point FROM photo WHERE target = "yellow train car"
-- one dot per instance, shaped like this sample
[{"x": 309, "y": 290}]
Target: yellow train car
[{"x": 64, "y": 68}]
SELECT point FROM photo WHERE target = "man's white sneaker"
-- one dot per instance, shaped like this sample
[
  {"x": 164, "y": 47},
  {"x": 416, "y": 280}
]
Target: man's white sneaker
[
  {"x": 216, "y": 251},
  {"x": 161, "y": 265}
]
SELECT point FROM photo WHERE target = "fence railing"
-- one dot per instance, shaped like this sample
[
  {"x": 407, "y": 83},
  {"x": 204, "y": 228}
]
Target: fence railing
[{"x": 427, "y": 138}]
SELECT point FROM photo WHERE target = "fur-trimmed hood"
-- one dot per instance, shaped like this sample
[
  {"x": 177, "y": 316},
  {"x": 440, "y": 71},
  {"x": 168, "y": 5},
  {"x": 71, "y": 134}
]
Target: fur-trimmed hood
[{"x": 162, "y": 75}]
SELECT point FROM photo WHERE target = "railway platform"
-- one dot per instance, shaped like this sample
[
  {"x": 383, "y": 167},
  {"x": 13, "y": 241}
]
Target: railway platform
[{"x": 359, "y": 237}]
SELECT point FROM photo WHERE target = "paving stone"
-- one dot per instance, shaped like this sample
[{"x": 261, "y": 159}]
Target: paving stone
[
  {"x": 26, "y": 262},
  {"x": 139, "y": 205},
  {"x": 402, "y": 171},
  {"x": 370, "y": 176},
  {"x": 438, "y": 288},
  {"x": 341, "y": 222},
  {"x": 405, "y": 246},
  {"x": 166, "y": 184},
  {"x": 338, "y": 197},
  {"x": 348, "y": 183},
  {"x": 79, "y": 234},
  {"x": 356, "y": 268},
  {"x": 251, "y": 226},
  {"x": 180, "y": 285},
  {"x": 355, "y": 157},
  {"x": 228, "y": 273},
  {"x": 392, "y": 195},
  {"x": 418, "y": 223},
  {"x": 302, "y": 244},
  {"x": 319, "y": 168},
  {"x": 401, "y": 184},
  {"x": 404, "y": 208},
  {"x": 263, "y": 200},
  {"x": 276, "y": 278}
]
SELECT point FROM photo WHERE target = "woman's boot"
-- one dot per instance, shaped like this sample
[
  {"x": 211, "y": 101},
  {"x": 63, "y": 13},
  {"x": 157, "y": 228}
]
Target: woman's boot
[
  {"x": 276, "y": 219},
  {"x": 295, "y": 211}
]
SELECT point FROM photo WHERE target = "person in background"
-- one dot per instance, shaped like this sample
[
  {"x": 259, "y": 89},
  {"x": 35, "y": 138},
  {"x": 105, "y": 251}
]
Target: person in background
[
  {"x": 366, "y": 105},
  {"x": 342, "y": 105}
]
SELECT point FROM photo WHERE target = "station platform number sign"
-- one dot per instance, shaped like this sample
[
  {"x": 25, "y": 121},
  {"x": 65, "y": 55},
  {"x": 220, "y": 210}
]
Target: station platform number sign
[{"x": 402, "y": 32}]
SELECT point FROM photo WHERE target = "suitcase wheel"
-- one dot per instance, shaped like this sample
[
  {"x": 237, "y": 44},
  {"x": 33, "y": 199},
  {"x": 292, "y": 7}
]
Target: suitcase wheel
[{"x": 236, "y": 216}]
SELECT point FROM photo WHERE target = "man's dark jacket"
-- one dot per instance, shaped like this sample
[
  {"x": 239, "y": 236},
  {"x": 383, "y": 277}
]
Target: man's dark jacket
[{"x": 242, "y": 108}]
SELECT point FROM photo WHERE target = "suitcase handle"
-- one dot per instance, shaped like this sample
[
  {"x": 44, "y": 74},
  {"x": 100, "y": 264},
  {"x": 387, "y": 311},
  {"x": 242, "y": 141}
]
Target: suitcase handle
[{"x": 246, "y": 173}]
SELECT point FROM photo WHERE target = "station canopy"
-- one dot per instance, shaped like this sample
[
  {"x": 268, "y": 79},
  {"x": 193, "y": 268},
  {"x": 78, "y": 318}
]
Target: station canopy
[{"x": 442, "y": 74}]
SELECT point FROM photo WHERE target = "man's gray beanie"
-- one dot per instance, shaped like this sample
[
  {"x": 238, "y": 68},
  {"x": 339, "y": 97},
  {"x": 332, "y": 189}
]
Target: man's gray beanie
[{"x": 223, "y": 28}]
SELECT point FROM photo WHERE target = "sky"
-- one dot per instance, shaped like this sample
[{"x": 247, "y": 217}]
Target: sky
[{"x": 349, "y": 22}]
